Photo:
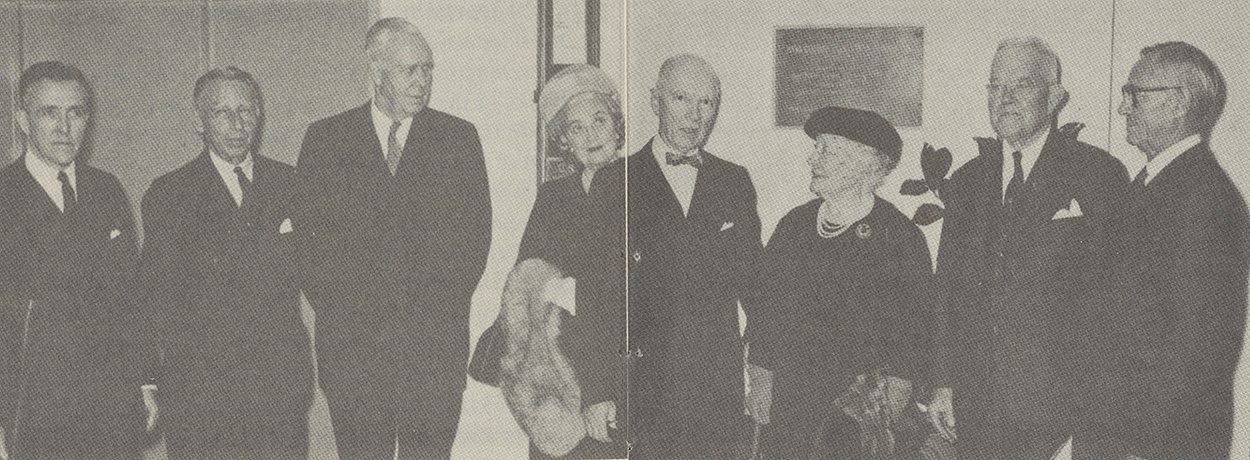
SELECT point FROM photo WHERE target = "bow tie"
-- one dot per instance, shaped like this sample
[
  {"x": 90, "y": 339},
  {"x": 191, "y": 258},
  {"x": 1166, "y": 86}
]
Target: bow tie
[{"x": 674, "y": 159}]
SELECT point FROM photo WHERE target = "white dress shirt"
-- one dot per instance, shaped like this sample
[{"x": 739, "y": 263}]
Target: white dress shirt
[
  {"x": 45, "y": 174},
  {"x": 681, "y": 178},
  {"x": 226, "y": 170},
  {"x": 1153, "y": 167},
  {"x": 382, "y": 126},
  {"x": 1028, "y": 157}
]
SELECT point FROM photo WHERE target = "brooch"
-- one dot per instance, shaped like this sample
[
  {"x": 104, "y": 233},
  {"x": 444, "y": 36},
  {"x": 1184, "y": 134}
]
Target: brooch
[{"x": 863, "y": 231}]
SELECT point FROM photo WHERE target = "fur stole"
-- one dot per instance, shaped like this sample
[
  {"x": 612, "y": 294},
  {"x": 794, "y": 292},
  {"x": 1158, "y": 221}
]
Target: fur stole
[{"x": 537, "y": 380}]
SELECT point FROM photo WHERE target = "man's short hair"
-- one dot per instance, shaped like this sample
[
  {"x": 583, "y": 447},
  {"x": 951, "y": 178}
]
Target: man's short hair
[
  {"x": 374, "y": 37},
  {"x": 50, "y": 71},
  {"x": 1050, "y": 59},
  {"x": 1200, "y": 77},
  {"x": 228, "y": 73}
]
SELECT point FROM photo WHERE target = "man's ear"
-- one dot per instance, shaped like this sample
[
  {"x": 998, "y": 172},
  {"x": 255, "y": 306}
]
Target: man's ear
[
  {"x": 1057, "y": 100},
  {"x": 23, "y": 122},
  {"x": 655, "y": 101}
]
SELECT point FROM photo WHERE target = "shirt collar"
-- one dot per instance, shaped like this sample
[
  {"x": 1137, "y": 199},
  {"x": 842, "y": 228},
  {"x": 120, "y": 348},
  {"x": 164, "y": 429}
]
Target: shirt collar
[
  {"x": 45, "y": 173},
  {"x": 1153, "y": 167},
  {"x": 382, "y": 125},
  {"x": 227, "y": 170},
  {"x": 661, "y": 148},
  {"x": 1028, "y": 155}
]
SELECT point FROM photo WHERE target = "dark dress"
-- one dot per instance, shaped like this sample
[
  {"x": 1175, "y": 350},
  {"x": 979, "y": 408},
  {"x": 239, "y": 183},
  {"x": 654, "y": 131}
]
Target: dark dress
[
  {"x": 237, "y": 378},
  {"x": 582, "y": 234},
  {"x": 834, "y": 308}
]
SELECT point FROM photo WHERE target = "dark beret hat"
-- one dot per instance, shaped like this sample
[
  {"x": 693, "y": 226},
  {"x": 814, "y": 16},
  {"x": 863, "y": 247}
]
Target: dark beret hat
[{"x": 861, "y": 126}]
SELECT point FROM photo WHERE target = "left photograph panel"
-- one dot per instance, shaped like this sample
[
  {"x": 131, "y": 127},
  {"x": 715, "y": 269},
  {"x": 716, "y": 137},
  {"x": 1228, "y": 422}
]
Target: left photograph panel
[{"x": 312, "y": 229}]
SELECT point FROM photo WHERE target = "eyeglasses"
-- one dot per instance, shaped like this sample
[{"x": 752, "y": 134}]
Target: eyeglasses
[{"x": 1131, "y": 91}]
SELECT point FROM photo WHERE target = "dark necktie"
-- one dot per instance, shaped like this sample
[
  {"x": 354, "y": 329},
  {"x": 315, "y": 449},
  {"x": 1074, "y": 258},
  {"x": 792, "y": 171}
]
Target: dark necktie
[
  {"x": 674, "y": 159},
  {"x": 1016, "y": 186},
  {"x": 393, "y": 149},
  {"x": 1140, "y": 180},
  {"x": 244, "y": 184},
  {"x": 68, "y": 198}
]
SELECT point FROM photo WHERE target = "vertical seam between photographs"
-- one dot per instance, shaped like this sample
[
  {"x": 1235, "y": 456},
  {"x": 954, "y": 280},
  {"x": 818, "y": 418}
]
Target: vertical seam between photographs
[
  {"x": 625, "y": 113},
  {"x": 1111, "y": 80}
]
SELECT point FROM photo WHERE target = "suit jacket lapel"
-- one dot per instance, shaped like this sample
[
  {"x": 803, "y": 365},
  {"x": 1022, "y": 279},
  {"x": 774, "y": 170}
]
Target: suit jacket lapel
[
  {"x": 372, "y": 156},
  {"x": 420, "y": 144},
  {"x": 706, "y": 192},
  {"x": 38, "y": 203},
  {"x": 648, "y": 186}
]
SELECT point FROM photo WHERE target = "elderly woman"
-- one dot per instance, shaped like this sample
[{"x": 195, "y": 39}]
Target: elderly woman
[
  {"x": 842, "y": 317},
  {"x": 565, "y": 385}
]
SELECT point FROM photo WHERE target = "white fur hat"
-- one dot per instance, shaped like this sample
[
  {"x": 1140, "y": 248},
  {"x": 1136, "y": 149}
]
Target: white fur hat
[{"x": 573, "y": 80}]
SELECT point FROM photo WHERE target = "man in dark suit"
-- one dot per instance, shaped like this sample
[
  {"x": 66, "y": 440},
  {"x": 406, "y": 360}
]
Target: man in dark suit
[
  {"x": 398, "y": 229},
  {"x": 69, "y": 387},
  {"x": 220, "y": 263},
  {"x": 1174, "y": 321},
  {"x": 1022, "y": 220},
  {"x": 694, "y": 234}
]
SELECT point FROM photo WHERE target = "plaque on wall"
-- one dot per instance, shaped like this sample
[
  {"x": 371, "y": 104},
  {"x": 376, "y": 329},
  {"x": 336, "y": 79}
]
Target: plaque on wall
[{"x": 870, "y": 68}]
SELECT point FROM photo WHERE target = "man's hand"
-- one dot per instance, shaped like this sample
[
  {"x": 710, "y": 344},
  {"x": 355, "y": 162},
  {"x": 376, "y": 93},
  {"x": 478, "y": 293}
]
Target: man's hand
[
  {"x": 149, "y": 403},
  {"x": 942, "y": 413},
  {"x": 598, "y": 418},
  {"x": 760, "y": 394}
]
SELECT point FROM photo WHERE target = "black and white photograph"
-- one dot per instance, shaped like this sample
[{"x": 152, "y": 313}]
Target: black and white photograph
[{"x": 608, "y": 229}]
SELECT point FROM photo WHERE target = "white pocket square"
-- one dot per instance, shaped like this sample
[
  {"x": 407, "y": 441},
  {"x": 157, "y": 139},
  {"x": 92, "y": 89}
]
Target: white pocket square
[
  {"x": 285, "y": 227},
  {"x": 726, "y": 226},
  {"x": 115, "y": 233},
  {"x": 1074, "y": 210}
]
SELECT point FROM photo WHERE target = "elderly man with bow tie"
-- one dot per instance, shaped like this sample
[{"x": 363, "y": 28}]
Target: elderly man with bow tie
[{"x": 694, "y": 234}]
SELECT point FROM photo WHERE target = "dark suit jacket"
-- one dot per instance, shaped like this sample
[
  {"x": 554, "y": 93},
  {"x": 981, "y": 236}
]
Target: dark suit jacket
[
  {"x": 1174, "y": 320},
  {"x": 224, "y": 293},
  {"x": 1012, "y": 277},
  {"x": 395, "y": 258},
  {"x": 70, "y": 380},
  {"x": 686, "y": 274}
]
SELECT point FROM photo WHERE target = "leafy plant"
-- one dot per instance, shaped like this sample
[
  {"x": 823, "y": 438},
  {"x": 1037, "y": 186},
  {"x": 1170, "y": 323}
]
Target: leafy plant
[{"x": 934, "y": 163}]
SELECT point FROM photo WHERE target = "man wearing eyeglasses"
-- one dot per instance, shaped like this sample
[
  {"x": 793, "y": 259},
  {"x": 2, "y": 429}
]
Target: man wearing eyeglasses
[
  {"x": 1173, "y": 325},
  {"x": 1022, "y": 221}
]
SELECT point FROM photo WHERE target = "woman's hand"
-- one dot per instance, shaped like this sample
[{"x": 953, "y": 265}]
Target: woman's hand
[{"x": 598, "y": 418}]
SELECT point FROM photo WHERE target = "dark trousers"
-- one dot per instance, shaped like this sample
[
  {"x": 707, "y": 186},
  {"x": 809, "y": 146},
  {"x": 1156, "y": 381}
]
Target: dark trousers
[
  {"x": 382, "y": 386},
  {"x": 237, "y": 427}
]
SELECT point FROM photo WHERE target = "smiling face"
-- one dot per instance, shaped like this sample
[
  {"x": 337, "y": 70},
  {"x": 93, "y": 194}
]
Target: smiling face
[
  {"x": 1157, "y": 119},
  {"x": 686, "y": 99},
  {"x": 55, "y": 120},
  {"x": 230, "y": 112},
  {"x": 590, "y": 130},
  {"x": 844, "y": 168},
  {"x": 1023, "y": 98},
  {"x": 403, "y": 72}
]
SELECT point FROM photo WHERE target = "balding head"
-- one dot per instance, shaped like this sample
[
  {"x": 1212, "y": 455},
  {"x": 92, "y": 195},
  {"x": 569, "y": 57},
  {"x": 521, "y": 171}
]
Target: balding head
[
  {"x": 402, "y": 67},
  {"x": 1025, "y": 94},
  {"x": 686, "y": 98}
]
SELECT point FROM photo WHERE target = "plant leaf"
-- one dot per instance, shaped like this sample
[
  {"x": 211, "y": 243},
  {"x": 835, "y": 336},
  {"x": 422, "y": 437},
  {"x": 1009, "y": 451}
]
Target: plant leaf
[
  {"x": 935, "y": 164},
  {"x": 913, "y": 187},
  {"x": 928, "y": 213}
]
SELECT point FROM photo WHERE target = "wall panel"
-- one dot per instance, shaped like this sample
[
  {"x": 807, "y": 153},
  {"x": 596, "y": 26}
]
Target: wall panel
[{"x": 141, "y": 59}]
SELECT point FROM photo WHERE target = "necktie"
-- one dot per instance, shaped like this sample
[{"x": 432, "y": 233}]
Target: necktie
[
  {"x": 674, "y": 159},
  {"x": 68, "y": 198},
  {"x": 244, "y": 184},
  {"x": 1140, "y": 180},
  {"x": 1016, "y": 186},
  {"x": 393, "y": 149}
]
